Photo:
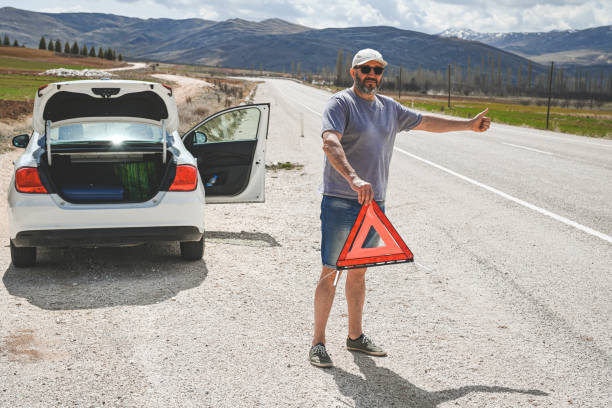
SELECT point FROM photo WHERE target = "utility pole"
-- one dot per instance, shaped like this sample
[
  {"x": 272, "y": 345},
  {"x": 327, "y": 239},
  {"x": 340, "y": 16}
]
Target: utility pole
[
  {"x": 550, "y": 76},
  {"x": 449, "y": 83},
  {"x": 399, "y": 91}
]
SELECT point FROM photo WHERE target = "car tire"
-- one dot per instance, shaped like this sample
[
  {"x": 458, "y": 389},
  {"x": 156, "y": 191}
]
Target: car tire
[
  {"x": 192, "y": 250},
  {"x": 23, "y": 256}
]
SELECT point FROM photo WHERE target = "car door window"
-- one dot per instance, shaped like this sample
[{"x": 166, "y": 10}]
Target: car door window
[{"x": 229, "y": 127}]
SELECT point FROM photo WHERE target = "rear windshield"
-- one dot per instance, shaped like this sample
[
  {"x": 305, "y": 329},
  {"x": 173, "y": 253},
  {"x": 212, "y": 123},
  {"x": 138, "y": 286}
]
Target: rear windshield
[{"x": 115, "y": 132}]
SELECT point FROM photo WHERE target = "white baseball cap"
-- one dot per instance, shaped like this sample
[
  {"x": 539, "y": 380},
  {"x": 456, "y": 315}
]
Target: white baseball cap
[{"x": 367, "y": 55}]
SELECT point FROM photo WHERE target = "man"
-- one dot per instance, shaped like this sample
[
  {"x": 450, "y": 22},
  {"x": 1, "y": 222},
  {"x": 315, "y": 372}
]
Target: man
[{"x": 359, "y": 129}]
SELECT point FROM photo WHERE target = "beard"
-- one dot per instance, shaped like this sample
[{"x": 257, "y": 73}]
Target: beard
[{"x": 371, "y": 87}]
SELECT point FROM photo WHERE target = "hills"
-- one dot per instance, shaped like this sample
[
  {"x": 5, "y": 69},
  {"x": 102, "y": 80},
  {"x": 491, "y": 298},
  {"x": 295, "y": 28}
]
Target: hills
[{"x": 271, "y": 44}]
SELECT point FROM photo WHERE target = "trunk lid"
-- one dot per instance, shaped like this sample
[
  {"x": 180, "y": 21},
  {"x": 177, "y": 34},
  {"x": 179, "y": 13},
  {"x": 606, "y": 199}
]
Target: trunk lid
[{"x": 98, "y": 99}]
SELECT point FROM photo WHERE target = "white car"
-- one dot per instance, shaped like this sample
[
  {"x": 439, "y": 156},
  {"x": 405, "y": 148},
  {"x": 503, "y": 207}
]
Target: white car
[{"x": 105, "y": 165}]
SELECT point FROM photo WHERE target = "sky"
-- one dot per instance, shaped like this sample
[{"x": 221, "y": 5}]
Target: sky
[{"x": 426, "y": 16}]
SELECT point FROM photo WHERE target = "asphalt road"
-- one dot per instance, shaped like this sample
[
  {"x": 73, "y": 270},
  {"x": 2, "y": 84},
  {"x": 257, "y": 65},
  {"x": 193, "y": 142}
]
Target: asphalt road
[{"x": 508, "y": 304}]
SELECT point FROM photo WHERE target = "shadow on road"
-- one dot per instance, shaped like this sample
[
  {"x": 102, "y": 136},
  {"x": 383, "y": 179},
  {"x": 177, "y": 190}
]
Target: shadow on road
[
  {"x": 383, "y": 388},
  {"x": 258, "y": 239},
  {"x": 89, "y": 278}
]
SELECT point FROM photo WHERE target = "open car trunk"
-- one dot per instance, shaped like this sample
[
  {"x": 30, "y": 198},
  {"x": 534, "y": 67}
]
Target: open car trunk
[{"x": 89, "y": 178}]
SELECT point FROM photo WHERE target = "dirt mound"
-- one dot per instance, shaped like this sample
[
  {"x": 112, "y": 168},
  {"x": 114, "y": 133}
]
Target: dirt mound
[{"x": 15, "y": 109}]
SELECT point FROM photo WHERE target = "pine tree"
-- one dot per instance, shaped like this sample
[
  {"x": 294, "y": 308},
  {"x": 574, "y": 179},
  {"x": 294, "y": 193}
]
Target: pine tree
[
  {"x": 529, "y": 68},
  {"x": 468, "y": 79},
  {"x": 67, "y": 48},
  {"x": 120, "y": 58},
  {"x": 42, "y": 45},
  {"x": 491, "y": 80},
  {"x": 347, "y": 67},
  {"x": 50, "y": 45},
  {"x": 339, "y": 67},
  {"x": 6, "y": 42},
  {"x": 58, "y": 46},
  {"x": 499, "y": 74},
  {"x": 482, "y": 70},
  {"x": 508, "y": 77},
  {"x": 84, "y": 50},
  {"x": 15, "y": 43},
  {"x": 92, "y": 51},
  {"x": 100, "y": 53},
  {"x": 75, "y": 48}
]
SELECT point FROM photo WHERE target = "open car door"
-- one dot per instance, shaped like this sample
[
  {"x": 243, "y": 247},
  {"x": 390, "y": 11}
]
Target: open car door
[{"x": 230, "y": 149}]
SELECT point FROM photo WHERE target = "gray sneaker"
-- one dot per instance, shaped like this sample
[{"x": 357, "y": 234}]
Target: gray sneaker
[
  {"x": 365, "y": 345},
  {"x": 318, "y": 356}
]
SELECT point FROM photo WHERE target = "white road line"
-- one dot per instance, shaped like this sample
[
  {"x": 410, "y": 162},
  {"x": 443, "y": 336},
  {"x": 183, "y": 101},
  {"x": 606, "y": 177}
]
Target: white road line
[
  {"x": 304, "y": 106},
  {"x": 529, "y": 148},
  {"x": 423, "y": 266},
  {"x": 552, "y": 215},
  {"x": 535, "y": 133},
  {"x": 543, "y": 211}
]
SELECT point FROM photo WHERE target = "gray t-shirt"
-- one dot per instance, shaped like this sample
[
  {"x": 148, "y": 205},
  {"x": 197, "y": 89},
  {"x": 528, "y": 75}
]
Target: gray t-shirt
[{"x": 368, "y": 130}]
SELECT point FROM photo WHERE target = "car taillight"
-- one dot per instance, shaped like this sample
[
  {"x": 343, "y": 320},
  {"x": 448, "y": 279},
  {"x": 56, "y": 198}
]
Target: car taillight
[
  {"x": 28, "y": 181},
  {"x": 41, "y": 88},
  {"x": 186, "y": 178}
]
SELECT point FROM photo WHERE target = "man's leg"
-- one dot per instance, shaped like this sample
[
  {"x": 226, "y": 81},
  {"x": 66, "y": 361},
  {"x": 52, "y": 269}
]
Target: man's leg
[
  {"x": 355, "y": 297},
  {"x": 323, "y": 300}
]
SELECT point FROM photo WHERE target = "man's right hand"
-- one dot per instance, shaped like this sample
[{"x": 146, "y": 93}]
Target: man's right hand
[{"x": 365, "y": 194}]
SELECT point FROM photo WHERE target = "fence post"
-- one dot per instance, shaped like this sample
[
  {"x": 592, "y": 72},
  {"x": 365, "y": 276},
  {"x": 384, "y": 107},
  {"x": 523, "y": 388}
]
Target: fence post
[
  {"x": 552, "y": 64},
  {"x": 301, "y": 124}
]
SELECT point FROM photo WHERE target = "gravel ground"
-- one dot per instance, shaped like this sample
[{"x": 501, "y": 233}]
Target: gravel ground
[{"x": 133, "y": 327}]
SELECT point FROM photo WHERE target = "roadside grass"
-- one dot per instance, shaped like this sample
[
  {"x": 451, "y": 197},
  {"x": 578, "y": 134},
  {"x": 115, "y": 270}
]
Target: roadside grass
[
  {"x": 593, "y": 123},
  {"x": 208, "y": 100},
  {"x": 10, "y": 63},
  {"x": 584, "y": 122},
  {"x": 22, "y": 87},
  {"x": 275, "y": 166}
]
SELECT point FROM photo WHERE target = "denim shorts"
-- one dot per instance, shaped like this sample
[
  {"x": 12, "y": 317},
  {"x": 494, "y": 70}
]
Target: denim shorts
[{"x": 337, "y": 218}]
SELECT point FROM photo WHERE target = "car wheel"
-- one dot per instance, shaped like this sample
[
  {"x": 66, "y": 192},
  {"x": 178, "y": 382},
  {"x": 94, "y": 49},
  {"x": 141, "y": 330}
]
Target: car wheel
[
  {"x": 23, "y": 256},
  {"x": 192, "y": 250}
]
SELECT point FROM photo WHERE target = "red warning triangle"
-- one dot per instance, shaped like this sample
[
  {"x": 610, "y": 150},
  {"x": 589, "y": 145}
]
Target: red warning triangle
[{"x": 353, "y": 255}]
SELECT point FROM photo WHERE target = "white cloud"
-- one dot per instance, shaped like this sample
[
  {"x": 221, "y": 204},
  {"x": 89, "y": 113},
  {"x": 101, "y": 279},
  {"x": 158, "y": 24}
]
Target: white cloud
[
  {"x": 427, "y": 16},
  {"x": 208, "y": 13}
]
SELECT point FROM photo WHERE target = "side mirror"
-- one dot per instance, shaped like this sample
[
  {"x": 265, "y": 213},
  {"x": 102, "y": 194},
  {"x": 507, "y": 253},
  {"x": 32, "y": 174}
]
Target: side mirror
[
  {"x": 200, "y": 138},
  {"x": 21, "y": 141}
]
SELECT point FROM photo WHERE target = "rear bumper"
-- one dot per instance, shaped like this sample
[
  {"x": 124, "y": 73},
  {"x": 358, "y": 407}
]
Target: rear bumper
[
  {"x": 104, "y": 236},
  {"x": 168, "y": 211}
]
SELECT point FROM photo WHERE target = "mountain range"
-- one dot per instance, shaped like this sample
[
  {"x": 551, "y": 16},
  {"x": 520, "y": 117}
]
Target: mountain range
[
  {"x": 591, "y": 46},
  {"x": 271, "y": 44}
]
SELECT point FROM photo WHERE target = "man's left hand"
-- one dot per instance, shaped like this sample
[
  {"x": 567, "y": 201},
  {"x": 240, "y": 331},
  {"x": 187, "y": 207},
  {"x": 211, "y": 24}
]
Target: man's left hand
[{"x": 480, "y": 123}]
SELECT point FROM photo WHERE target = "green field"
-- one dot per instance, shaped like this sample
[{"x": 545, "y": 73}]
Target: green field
[
  {"x": 580, "y": 122},
  {"x": 28, "y": 65},
  {"x": 20, "y": 87}
]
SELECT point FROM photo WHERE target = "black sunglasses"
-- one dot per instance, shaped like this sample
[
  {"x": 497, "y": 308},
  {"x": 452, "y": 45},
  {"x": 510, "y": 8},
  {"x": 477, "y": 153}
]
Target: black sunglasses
[{"x": 365, "y": 69}]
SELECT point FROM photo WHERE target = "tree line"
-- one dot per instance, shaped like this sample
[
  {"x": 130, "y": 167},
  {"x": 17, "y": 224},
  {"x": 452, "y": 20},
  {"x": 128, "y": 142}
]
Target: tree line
[
  {"x": 487, "y": 77},
  {"x": 6, "y": 42},
  {"x": 56, "y": 46}
]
